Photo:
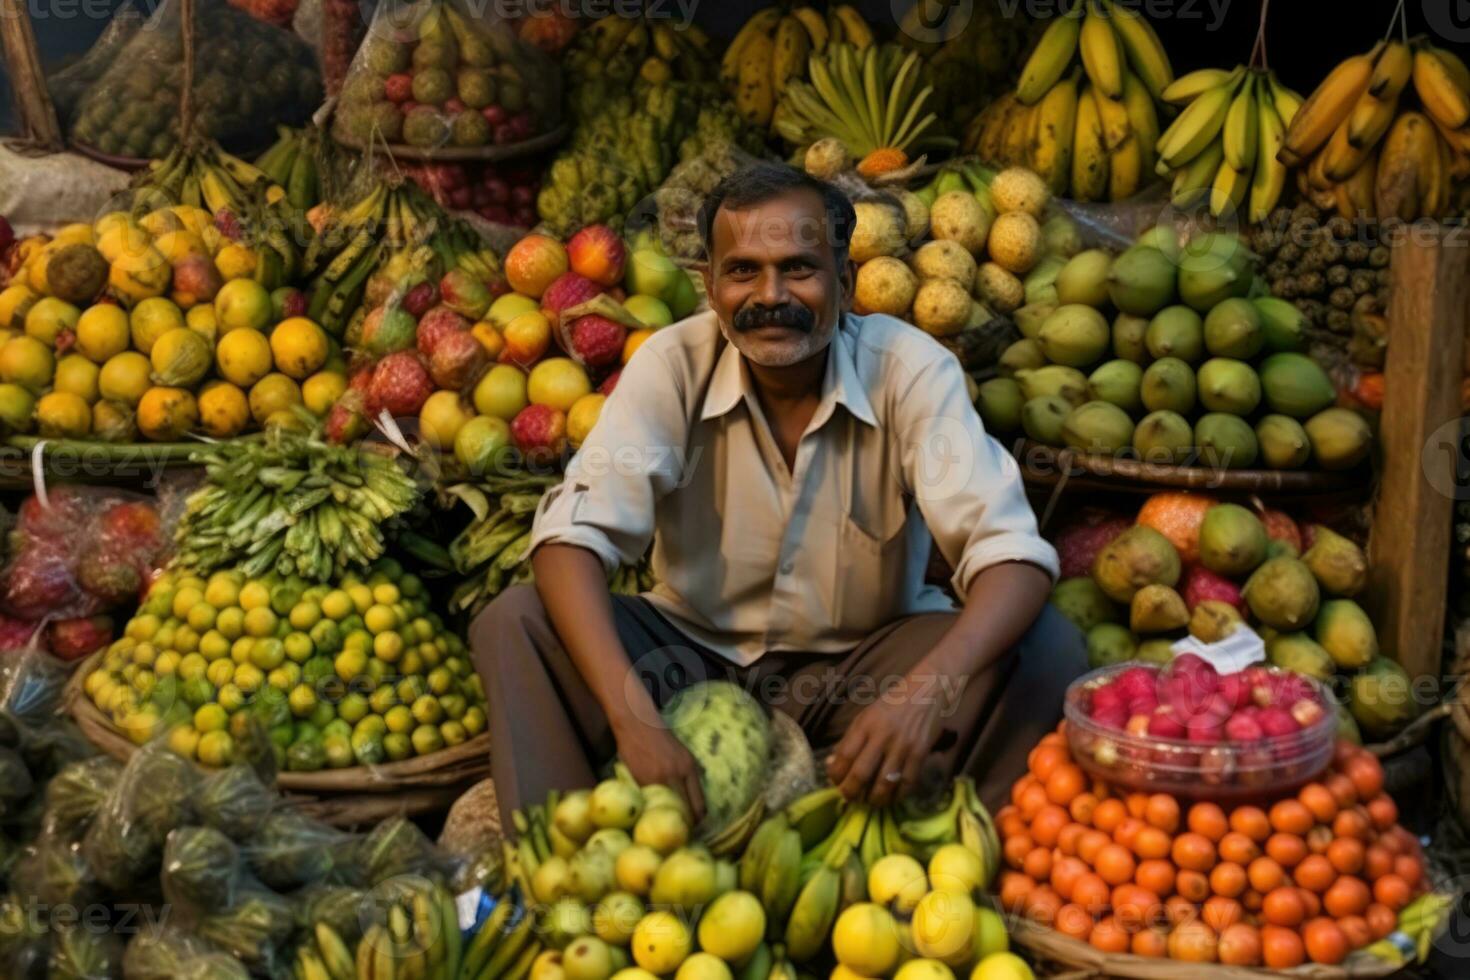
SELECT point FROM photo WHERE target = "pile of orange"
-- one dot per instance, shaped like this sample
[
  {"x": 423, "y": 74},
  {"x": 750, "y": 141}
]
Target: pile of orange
[{"x": 1309, "y": 877}]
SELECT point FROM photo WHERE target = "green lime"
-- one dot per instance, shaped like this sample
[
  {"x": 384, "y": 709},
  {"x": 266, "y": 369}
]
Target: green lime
[
  {"x": 267, "y": 653},
  {"x": 302, "y": 700},
  {"x": 322, "y": 715},
  {"x": 454, "y": 706},
  {"x": 222, "y": 591},
  {"x": 298, "y": 647},
  {"x": 430, "y": 654},
  {"x": 142, "y": 627},
  {"x": 184, "y": 740},
  {"x": 144, "y": 654},
  {"x": 282, "y": 735},
  {"x": 379, "y": 669},
  {"x": 473, "y": 720},
  {"x": 453, "y": 732},
  {"x": 336, "y": 605},
  {"x": 249, "y": 677},
  {"x": 143, "y": 683},
  {"x": 284, "y": 677},
  {"x": 362, "y": 597},
  {"x": 164, "y": 638},
  {"x": 326, "y": 637},
  {"x": 411, "y": 688},
  {"x": 304, "y": 615},
  {"x": 240, "y": 649},
  {"x": 211, "y": 718},
  {"x": 197, "y": 692},
  {"x": 315, "y": 669},
  {"x": 427, "y": 710},
  {"x": 231, "y": 697},
  {"x": 358, "y": 641},
  {"x": 254, "y": 595},
  {"x": 427, "y": 739},
  {"x": 339, "y": 751},
  {"x": 441, "y": 680},
  {"x": 283, "y": 597},
  {"x": 382, "y": 699},
  {"x": 159, "y": 601},
  {"x": 307, "y": 732},
  {"x": 352, "y": 624},
  {"x": 184, "y": 600},
  {"x": 396, "y": 746},
  {"x": 380, "y": 619},
  {"x": 388, "y": 646},
  {"x": 373, "y": 725},
  {"x": 213, "y": 646},
  {"x": 367, "y": 748},
  {"x": 220, "y": 672},
  {"x": 306, "y": 756},
  {"x": 411, "y": 585},
  {"x": 354, "y": 708},
  {"x": 399, "y": 720},
  {"x": 260, "y": 621},
  {"x": 385, "y": 594},
  {"x": 216, "y": 748},
  {"x": 230, "y": 622},
  {"x": 202, "y": 617},
  {"x": 350, "y": 663},
  {"x": 166, "y": 663},
  {"x": 186, "y": 639},
  {"x": 410, "y": 662}
]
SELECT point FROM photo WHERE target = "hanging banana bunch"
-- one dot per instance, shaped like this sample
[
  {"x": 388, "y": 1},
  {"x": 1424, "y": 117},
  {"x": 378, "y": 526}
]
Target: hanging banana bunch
[
  {"x": 1370, "y": 143},
  {"x": 772, "y": 48},
  {"x": 1224, "y": 145},
  {"x": 1085, "y": 112},
  {"x": 869, "y": 99}
]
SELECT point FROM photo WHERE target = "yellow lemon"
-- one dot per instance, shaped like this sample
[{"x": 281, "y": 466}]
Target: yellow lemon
[
  {"x": 178, "y": 245},
  {"x": 243, "y": 357},
  {"x": 140, "y": 273},
  {"x": 62, "y": 415},
  {"x": 166, "y": 414},
  {"x": 732, "y": 926},
  {"x": 201, "y": 320},
  {"x": 441, "y": 418},
  {"x": 635, "y": 340},
  {"x": 102, "y": 331},
  {"x": 583, "y": 417},
  {"x": 242, "y": 304},
  {"x": 151, "y": 319},
  {"x": 160, "y": 221},
  {"x": 1002, "y": 966},
  {"x": 122, "y": 238},
  {"x": 501, "y": 393},
  {"x": 113, "y": 422},
  {"x": 124, "y": 377},
  {"x": 271, "y": 394},
  {"x": 180, "y": 358},
  {"x": 944, "y": 927},
  {"x": 897, "y": 881},
  {"x": 557, "y": 382},
  {"x": 223, "y": 410},
  {"x": 76, "y": 234},
  {"x": 321, "y": 391},
  {"x": 48, "y": 317},
  {"x": 15, "y": 302},
  {"x": 299, "y": 347},
  {"x": 26, "y": 361},
  {"x": 660, "y": 943},
  {"x": 865, "y": 939},
  {"x": 235, "y": 262},
  {"x": 78, "y": 376},
  {"x": 956, "y": 868}
]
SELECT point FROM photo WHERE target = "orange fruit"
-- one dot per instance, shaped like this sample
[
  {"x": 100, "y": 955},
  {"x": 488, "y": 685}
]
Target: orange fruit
[
  {"x": 1392, "y": 843},
  {"x": 1393, "y": 891},
  {"x": 1114, "y": 864},
  {"x": 1228, "y": 880},
  {"x": 1047, "y": 825},
  {"x": 1092, "y": 893},
  {"x": 1265, "y": 874},
  {"x": 1136, "y": 907},
  {"x": 1193, "y": 852},
  {"x": 1073, "y": 920},
  {"x": 1283, "y": 907},
  {"x": 1355, "y": 929},
  {"x": 1151, "y": 842},
  {"x": 1014, "y": 889},
  {"x": 1221, "y": 912},
  {"x": 1319, "y": 799},
  {"x": 1383, "y": 812},
  {"x": 1324, "y": 941},
  {"x": 1381, "y": 919},
  {"x": 1150, "y": 942},
  {"x": 1347, "y": 896},
  {"x": 1240, "y": 945},
  {"x": 1082, "y": 806},
  {"x": 1315, "y": 873},
  {"x": 1033, "y": 798},
  {"x": 1137, "y": 805},
  {"x": 1016, "y": 848},
  {"x": 1311, "y": 902},
  {"x": 1208, "y": 820},
  {"x": 1179, "y": 909},
  {"x": 1037, "y": 864},
  {"x": 1042, "y": 905},
  {"x": 1319, "y": 838},
  {"x": 1252, "y": 900},
  {"x": 1377, "y": 862},
  {"x": 1251, "y": 821},
  {"x": 1350, "y": 823},
  {"x": 1346, "y": 855},
  {"x": 1239, "y": 848},
  {"x": 1009, "y": 821},
  {"x": 1342, "y": 789},
  {"x": 1068, "y": 837},
  {"x": 1108, "y": 815},
  {"x": 1291, "y": 817},
  {"x": 1177, "y": 516},
  {"x": 1065, "y": 783},
  {"x": 1128, "y": 830},
  {"x": 1193, "y": 942},
  {"x": 1409, "y": 868},
  {"x": 1065, "y": 873},
  {"x": 1018, "y": 788},
  {"x": 1286, "y": 850},
  {"x": 1109, "y": 936},
  {"x": 1192, "y": 886},
  {"x": 1366, "y": 772},
  {"x": 1157, "y": 875},
  {"x": 1281, "y": 948},
  {"x": 1045, "y": 758},
  {"x": 1090, "y": 843},
  {"x": 1162, "y": 811}
]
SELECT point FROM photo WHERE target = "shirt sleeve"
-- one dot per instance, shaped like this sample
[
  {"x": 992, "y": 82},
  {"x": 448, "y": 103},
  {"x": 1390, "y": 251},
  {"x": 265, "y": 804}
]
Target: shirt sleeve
[
  {"x": 967, "y": 486},
  {"x": 629, "y": 460}
]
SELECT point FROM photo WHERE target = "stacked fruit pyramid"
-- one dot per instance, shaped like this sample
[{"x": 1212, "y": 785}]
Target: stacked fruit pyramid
[
  {"x": 1310, "y": 876},
  {"x": 1190, "y": 565},
  {"x": 1185, "y": 336},
  {"x": 951, "y": 255}
]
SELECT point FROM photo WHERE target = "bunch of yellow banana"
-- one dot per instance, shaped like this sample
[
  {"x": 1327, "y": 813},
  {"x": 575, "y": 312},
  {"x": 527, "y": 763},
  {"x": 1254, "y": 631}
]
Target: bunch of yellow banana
[
  {"x": 869, "y": 99},
  {"x": 1226, "y": 142},
  {"x": 970, "y": 51},
  {"x": 1083, "y": 114},
  {"x": 772, "y": 48},
  {"x": 417, "y": 936},
  {"x": 615, "y": 49},
  {"x": 1370, "y": 145}
]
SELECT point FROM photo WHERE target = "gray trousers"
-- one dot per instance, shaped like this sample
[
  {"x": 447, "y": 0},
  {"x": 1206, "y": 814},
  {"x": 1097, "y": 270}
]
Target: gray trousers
[{"x": 548, "y": 732}]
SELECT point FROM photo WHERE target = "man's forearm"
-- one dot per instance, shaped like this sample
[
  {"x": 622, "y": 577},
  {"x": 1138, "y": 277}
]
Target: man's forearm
[
  {"x": 1002, "y": 603},
  {"x": 580, "y": 607}
]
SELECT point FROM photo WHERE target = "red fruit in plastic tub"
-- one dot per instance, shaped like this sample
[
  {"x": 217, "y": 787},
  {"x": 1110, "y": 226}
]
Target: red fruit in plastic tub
[
  {"x": 1200, "y": 584},
  {"x": 1078, "y": 544},
  {"x": 398, "y": 88},
  {"x": 420, "y": 299},
  {"x": 1111, "y": 717},
  {"x": 1243, "y": 727},
  {"x": 1137, "y": 724},
  {"x": 598, "y": 341},
  {"x": 1306, "y": 712},
  {"x": 1164, "y": 723},
  {"x": 437, "y": 324},
  {"x": 1206, "y": 729},
  {"x": 1276, "y": 721},
  {"x": 566, "y": 291},
  {"x": 1136, "y": 682},
  {"x": 1235, "y": 690},
  {"x": 1107, "y": 696},
  {"x": 457, "y": 361},
  {"x": 401, "y": 384}
]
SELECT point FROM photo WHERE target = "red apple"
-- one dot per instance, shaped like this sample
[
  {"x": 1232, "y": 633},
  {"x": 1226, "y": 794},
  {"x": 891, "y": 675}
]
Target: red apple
[
  {"x": 596, "y": 252},
  {"x": 1164, "y": 723},
  {"x": 1277, "y": 721},
  {"x": 1243, "y": 727}
]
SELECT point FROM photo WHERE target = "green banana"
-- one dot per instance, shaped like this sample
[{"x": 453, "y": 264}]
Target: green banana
[
  {"x": 782, "y": 877},
  {"x": 815, "y": 814},
  {"x": 815, "y": 909},
  {"x": 758, "y": 853},
  {"x": 487, "y": 938}
]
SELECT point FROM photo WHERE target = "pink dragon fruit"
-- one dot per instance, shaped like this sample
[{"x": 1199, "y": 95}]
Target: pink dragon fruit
[{"x": 1078, "y": 543}]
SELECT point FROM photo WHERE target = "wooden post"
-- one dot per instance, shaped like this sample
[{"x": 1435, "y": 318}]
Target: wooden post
[
  {"x": 1410, "y": 544},
  {"x": 23, "y": 63}
]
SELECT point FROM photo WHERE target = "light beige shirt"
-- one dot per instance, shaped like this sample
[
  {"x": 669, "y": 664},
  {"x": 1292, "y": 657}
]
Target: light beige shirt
[{"x": 751, "y": 556}]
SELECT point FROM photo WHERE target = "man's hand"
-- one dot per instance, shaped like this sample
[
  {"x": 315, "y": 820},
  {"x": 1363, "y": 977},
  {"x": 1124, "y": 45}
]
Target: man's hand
[
  {"x": 881, "y": 756},
  {"x": 653, "y": 755}
]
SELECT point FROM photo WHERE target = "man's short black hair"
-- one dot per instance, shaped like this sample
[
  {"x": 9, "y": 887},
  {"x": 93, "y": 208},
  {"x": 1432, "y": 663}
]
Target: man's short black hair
[{"x": 764, "y": 181}]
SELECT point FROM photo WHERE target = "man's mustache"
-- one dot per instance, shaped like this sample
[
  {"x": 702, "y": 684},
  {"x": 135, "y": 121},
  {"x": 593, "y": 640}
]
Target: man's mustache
[{"x": 792, "y": 315}]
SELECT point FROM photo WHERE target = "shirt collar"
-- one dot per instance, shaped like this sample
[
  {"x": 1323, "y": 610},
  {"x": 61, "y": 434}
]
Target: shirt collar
[{"x": 840, "y": 383}]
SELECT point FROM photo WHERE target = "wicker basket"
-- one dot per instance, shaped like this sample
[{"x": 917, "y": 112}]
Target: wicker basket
[{"x": 349, "y": 797}]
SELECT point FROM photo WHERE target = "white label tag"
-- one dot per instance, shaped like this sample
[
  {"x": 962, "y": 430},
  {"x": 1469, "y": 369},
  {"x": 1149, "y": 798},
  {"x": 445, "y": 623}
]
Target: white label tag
[{"x": 1229, "y": 656}]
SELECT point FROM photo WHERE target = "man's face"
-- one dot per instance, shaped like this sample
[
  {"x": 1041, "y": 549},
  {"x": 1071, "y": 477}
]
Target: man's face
[{"x": 773, "y": 279}]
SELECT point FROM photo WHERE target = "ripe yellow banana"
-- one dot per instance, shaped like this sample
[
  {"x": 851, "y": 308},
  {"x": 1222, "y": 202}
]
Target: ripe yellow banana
[
  {"x": 1239, "y": 134},
  {"x": 1056, "y": 124},
  {"x": 1443, "y": 98},
  {"x": 856, "y": 30},
  {"x": 1269, "y": 178},
  {"x": 1114, "y": 116},
  {"x": 1355, "y": 195},
  {"x": 1017, "y": 148},
  {"x": 1391, "y": 71},
  {"x": 1405, "y": 165},
  {"x": 815, "y": 910},
  {"x": 1049, "y": 60},
  {"x": 1101, "y": 54},
  {"x": 1452, "y": 64},
  {"x": 1089, "y": 155},
  {"x": 1436, "y": 195},
  {"x": 1144, "y": 49},
  {"x": 792, "y": 47},
  {"x": 1196, "y": 127},
  {"x": 1286, "y": 101},
  {"x": 1326, "y": 108},
  {"x": 1125, "y": 168},
  {"x": 816, "y": 27},
  {"x": 1370, "y": 119},
  {"x": 1341, "y": 158},
  {"x": 1187, "y": 88},
  {"x": 760, "y": 23},
  {"x": 664, "y": 42},
  {"x": 1142, "y": 117},
  {"x": 755, "y": 99},
  {"x": 1228, "y": 190},
  {"x": 1193, "y": 179}
]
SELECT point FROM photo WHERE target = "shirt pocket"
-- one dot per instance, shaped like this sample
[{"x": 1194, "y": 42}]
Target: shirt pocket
[{"x": 869, "y": 574}]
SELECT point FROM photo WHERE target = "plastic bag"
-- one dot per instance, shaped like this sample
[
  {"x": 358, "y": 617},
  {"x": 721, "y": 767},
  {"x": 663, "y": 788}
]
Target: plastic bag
[
  {"x": 201, "y": 871},
  {"x": 234, "y": 801},
  {"x": 77, "y": 793},
  {"x": 154, "y": 795},
  {"x": 79, "y": 953},
  {"x": 69, "y": 85},
  {"x": 51, "y": 872},
  {"x": 398, "y": 847},
  {"x": 167, "y": 955},
  {"x": 253, "y": 928},
  {"x": 248, "y": 76},
  {"x": 82, "y": 552},
  {"x": 336, "y": 905},
  {"x": 30, "y": 692},
  {"x": 444, "y": 73},
  {"x": 290, "y": 850},
  {"x": 25, "y": 942}
]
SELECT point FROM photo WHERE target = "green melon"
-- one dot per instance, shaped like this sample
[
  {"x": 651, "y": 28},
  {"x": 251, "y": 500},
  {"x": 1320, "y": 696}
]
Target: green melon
[{"x": 729, "y": 735}]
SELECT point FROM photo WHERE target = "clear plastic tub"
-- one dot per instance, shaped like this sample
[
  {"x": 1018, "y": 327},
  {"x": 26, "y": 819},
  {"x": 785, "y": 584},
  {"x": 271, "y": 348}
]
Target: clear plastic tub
[{"x": 1205, "y": 764}]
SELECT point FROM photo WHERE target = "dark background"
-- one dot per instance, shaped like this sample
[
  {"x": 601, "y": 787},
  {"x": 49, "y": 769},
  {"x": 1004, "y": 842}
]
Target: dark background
[{"x": 1306, "y": 37}]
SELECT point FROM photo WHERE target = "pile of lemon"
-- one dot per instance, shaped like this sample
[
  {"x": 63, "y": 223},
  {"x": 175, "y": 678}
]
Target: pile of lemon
[
  {"x": 155, "y": 328},
  {"x": 356, "y": 672}
]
